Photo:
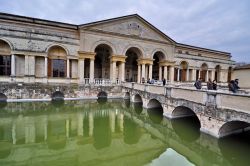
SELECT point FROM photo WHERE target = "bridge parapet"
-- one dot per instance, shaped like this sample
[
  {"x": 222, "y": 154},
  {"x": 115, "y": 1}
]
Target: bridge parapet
[{"x": 214, "y": 109}]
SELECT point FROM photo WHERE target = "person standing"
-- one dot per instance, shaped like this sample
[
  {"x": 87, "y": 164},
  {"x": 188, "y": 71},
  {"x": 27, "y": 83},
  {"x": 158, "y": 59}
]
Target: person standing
[
  {"x": 214, "y": 85},
  {"x": 164, "y": 81},
  {"x": 209, "y": 84},
  {"x": 197, "y": 84}
]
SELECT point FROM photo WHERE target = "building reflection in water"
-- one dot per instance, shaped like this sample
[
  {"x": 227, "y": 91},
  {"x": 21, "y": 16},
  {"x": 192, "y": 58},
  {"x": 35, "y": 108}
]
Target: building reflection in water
[{"x": 122, "y": 128}]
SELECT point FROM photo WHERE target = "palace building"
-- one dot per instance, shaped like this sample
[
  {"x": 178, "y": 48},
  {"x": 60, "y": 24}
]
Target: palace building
[{"x": 125, "y": 48}]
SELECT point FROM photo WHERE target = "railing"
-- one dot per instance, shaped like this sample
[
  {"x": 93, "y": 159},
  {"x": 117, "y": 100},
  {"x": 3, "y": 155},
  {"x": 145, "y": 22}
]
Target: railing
[{"x": 101, "y": 81}]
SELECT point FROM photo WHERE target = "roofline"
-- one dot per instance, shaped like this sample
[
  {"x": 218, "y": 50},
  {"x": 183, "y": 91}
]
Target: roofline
[
  {"x": 27, "y": 19},
  {"x": 127, "y": 16},
  {"x": 203, "y": 49}
]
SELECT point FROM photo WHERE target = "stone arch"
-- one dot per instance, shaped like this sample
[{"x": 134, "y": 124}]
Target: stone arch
[
  {"x": 5, "y": 46},
  {"x": 102, "y": 61},
  {"x": 137, "y": 98},
  {"x": 102, "y": 95},
  {"x": 183, "y": 111},
  {"x": 217, "y": 73},
  {"x": 183, "y": 70},
  {"x": 160, "y": 50},
  {"x": 127, "y": 95},
  {"x": 5, "y": 58},
  {"x": 3, "y": 97},
  {"x": 204, "y": 72},
  {"x": 158, "y": 57},
  {"x": 57, "y": 66},
  {"x": 104, "y": 42},
  {"x": 154, "y": 103},
  {"x": 56, "y": 45},
  {"x": 233, "y": 127},
  {"x": 155, "y": 111},
  {"x": 58, "y": 95},
  {"x": 142, "y": 51},
  {"x": 133, "y": 54}
]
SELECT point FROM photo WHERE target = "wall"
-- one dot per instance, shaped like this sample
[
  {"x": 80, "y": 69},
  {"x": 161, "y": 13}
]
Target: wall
[{"x": 244, "y": 77}]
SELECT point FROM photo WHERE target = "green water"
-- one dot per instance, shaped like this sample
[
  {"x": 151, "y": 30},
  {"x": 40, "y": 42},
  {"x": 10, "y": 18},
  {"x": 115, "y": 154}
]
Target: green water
[{"x": 109, "y": 133}]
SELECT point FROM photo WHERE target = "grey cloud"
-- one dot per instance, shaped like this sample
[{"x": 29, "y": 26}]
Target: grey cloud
[{"x": 222, "y": 25}]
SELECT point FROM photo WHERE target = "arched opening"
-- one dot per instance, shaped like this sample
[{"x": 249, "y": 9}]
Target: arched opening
[
  {"x": 229, "y": 76},
  {"x": 57, "y": 65},
  {"x": 131, "y": 65},
  {"x": 217, "y": 73},
  {"x": 102, "y": 94},
  {"x": 137, "y": 99},
  {"x": 158, "y": 57},
  {"x": 235, "y": 147},
  {"x": 155, "y": 111},
  {"x": 3, "y": 98},
  {"x": 233, "y": 127},
  {"x": 5, "y": 59},
  {"x": 204, "y": 72},
  {"x": 186, "y": 124},
  {"x": 102, "y": 61},
  {"x": 183, "y": 71},
  {"x": 127, "y": 96},
  {"x": 57, "y": 96}
]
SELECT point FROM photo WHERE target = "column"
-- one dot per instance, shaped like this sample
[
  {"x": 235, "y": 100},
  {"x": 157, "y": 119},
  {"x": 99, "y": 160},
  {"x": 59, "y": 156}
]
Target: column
[
  {"x": 212, "y": 75},
  {"x": 26, "y": 66},
  {"x": 81, "y": 70},
  {"x": 178, "y": 74},
  {"x": 206, "y": 76},
  {"x": 45, "y": 67},
  {"x": 166, "y": 72},
  {"x": 113, "y": 79},
  {"x": 122, "y": 71},
  {"x": 91, "y": 72},
  {"x": 146, "y": 72},
  {"x": 150, "y": 71},
  {"x": 143, "y": 72},
  {"x": 68, "y": 68},
  {"x": 199, "y": 73},
  {"x": 139, "y": 73},
  {"x": 187, "y": 75},
  {"x": 32, "y": 65},
  {"x": 171, "y": 74},
  {"x": 193, "y": 75},
  {"x": 160, "y": 73},
  {"x": 13, "y": 65}
]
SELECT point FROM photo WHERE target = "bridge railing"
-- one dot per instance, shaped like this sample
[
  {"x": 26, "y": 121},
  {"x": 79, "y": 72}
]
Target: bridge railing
[
  {"x": 101, "y": 81},
  {"x": 220, "y": 99}
]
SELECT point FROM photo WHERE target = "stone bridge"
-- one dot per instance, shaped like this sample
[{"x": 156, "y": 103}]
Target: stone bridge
[{"x": 220, "y": 113}]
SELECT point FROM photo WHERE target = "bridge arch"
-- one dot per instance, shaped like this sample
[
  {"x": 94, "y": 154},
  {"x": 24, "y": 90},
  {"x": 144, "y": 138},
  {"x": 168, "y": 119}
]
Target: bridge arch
[
  {"x": 102, "y": 95},
  {"x": 233, "y": 127},
  {"x": 127, "y": 96},
  {"x": 58, "y": 95},
  {"x": 155, "y": 111},
  {"x": 137, "y": 99},
  {"x": 3, "y": 97},
  {"x": 182, "y": 111}
]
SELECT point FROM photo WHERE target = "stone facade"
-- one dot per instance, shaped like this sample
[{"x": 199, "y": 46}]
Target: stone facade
[{"x": 141, "y": 51}]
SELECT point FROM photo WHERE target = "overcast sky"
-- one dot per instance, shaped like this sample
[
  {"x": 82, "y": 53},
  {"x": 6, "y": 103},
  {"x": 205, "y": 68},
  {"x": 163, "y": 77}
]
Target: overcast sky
[{"x": 216, "y": 24}]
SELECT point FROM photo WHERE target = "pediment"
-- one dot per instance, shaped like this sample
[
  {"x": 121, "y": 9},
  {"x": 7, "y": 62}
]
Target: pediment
[{"x": 132, "y": 25}]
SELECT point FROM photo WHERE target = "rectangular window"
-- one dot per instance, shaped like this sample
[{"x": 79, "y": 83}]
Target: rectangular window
[
  {"x": 58, "y": 66},
  {"x": 5, "y": 65}
]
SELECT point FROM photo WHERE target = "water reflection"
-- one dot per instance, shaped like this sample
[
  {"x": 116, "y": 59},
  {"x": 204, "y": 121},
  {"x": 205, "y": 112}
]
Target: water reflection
[
  {"x": 156, "y": 115},
  {"x": 105, "y": 133},
  {"x": 234, "y": 150},
  {"x": 187, "y": 128}
]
